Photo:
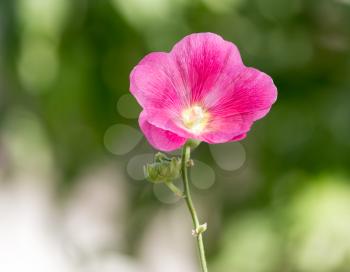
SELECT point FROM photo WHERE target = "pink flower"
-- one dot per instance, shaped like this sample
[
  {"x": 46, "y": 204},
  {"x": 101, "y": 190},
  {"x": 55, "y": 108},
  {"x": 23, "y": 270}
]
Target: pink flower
[{"x": 199, "y": 90}]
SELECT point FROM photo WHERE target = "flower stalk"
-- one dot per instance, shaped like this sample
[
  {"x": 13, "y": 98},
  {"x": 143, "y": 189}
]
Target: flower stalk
[
  {"x": 166, "y": 170},
  {"x": 199, "y": 229}
]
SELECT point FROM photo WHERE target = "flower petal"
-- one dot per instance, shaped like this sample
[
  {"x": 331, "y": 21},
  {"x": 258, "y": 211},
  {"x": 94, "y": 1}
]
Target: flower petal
[
  {"x": 167, "y": 120},
  {"x": 239, "y": 137},
  {"x": 160, "y": 139},
  {"x": 246, "y": 99},
  {"x": 156, "y": 85},
  {"x": 226, "y": 129},
  {"x": 201, "y": 59},
  {"x": 151, "y": 82},
  {"x": 251, "y": 93}
]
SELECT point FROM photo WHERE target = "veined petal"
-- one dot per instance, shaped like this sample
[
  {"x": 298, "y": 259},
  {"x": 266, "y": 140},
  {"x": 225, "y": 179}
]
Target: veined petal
[
  {"x": 160, "y": 139},
  {"x": 201, "y": 59},
  {"x": 167, "y": 120},
  {"x": 228, "y": 128},
  {"x": 250, "y": 93},
  {"x": 152, "y": 83},
  {"x": 246, "y": 99}
]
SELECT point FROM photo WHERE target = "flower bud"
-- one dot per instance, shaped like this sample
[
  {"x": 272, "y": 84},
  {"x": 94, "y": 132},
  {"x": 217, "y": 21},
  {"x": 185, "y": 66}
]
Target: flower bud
[{"x": 163, "y": 169}]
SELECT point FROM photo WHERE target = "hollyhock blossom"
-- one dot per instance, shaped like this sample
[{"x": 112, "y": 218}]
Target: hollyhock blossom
[{"x": 199, "y": 90}]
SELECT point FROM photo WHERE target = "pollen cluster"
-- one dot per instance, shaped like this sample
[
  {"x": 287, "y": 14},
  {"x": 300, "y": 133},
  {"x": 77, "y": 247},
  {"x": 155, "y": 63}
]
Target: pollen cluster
[{"x": 195, "y": 119}]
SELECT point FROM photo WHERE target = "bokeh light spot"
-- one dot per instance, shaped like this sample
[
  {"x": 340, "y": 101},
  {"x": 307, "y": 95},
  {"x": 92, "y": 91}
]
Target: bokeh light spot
[
  {"x": 164, "y": 194},
  {"x": 154, "y": 19},
  {"x": 320, "y": 229},
  {"x": 202, "y": 175},
  {"x": 17, "y": 123},
  {"x": 44, "y": 17},
  {"x": 141, "y": 12},
  {"x": 135, "y": 165},
  {"x": 128, "y": 107},
  {"x": 247, "y": 238},
  {"x": 228, "y": 156},
  {"x": 120, "y": 139},
  {"x": 38, "y": 64}
]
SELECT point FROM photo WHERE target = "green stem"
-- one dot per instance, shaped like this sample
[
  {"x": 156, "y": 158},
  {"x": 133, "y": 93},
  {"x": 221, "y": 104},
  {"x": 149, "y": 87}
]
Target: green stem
[
  {"x": 198, "y": 228},
  {"x": 175, "y": 189}
]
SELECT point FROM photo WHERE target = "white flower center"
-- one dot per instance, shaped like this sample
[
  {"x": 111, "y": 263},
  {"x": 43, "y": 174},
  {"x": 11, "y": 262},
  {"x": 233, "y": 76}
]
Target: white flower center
[{"x": 195, "y": 119}]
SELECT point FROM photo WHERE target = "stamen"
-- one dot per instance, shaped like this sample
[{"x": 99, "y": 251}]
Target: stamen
[{"x": 195, "y": 119}]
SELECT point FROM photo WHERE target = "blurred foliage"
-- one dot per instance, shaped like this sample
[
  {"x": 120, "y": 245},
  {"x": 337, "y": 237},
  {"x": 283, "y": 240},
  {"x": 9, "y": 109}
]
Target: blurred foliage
[{"x": 64, "y": 68}]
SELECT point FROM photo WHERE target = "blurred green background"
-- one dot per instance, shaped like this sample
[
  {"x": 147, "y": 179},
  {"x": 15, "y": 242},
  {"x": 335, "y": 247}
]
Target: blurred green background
[{"x": 72, "y": 194}]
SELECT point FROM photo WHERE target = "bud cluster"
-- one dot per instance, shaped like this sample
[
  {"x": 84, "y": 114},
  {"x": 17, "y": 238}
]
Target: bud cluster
[{"x": 163, "y": 169}]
